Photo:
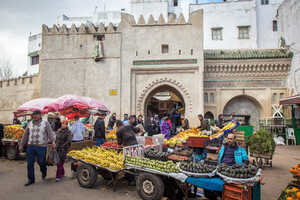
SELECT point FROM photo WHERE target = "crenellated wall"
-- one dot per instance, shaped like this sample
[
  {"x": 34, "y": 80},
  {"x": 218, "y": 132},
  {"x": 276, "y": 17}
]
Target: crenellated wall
[{"x": 15, "y": 92}]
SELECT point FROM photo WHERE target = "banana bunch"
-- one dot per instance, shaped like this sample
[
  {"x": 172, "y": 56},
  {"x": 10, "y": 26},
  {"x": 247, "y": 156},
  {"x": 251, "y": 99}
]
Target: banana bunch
[{"x": 99, "y": 156}]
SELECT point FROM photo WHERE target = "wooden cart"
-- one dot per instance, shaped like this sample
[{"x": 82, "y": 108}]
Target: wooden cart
[
  {"x": 11, "y": 148},
  {"x": 262, "y": 160}
]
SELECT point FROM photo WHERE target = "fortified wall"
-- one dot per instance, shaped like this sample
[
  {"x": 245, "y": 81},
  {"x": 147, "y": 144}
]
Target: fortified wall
[{"x": 15, "y": 92}]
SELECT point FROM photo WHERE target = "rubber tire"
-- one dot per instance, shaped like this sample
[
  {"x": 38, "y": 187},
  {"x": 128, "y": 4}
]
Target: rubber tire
[
  {"x": 12, "y": 152},
  {"x": 157, "y": 182},
  {"x": 91, "y": 173}
]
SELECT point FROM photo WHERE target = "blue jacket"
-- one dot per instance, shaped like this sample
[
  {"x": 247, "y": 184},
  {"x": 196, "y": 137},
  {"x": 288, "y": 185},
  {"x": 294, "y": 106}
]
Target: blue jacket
[{"x": 240, "y": 155}]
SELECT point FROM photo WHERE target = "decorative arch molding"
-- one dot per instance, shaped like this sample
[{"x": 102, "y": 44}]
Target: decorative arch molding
[
  {"x": 148, "y": 88},
  {"x": 250, "y": 97}
]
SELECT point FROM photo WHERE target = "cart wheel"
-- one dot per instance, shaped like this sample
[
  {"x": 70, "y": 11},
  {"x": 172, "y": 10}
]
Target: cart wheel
[
  {"x": 86, "y": 176},
  {"x": 11, "y": 152},
  {"x": 150, "y": 186}
]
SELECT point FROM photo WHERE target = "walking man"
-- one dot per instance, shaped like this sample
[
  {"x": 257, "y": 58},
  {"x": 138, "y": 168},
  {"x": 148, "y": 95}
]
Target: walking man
[
  {"x": 36, "y": 136},
  {"x": 77, "y": 130},
  {"x": 99, "y": 128}
]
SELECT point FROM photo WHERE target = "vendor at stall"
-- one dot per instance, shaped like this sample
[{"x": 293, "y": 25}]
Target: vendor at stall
[
  {"x": 125, "y": 135},
  {"x": 203, "y": 123},
  {"x": 230, "y": 153},
  {"x": 99, "y": 128}
]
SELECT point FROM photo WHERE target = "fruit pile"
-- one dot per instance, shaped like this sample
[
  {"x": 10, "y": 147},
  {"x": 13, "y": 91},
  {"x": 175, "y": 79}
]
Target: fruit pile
[
  {"x": 13, "y": 132},
  {"x": 167, "y": 167},
  {"x": 181, "y": 137},
  {"x": 295, "y": 170},
  {"x": 177, "y": 157},
  {"x": 237, "y": 171},
  {"x": 111, "y": 145},
  {"x": 200, "y": 168},
  {"x": 100, "y": 156},
  {"x": 89, "y": 127},
  {"x": 112, "y": 134},
  {"x": 291, "y": 193},
  {"x": 154, "y": 154}
]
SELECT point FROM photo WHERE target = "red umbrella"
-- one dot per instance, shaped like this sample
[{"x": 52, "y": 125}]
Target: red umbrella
[
  {"x": 35, "y": 104},
  {"x": 68, "y": 101}
]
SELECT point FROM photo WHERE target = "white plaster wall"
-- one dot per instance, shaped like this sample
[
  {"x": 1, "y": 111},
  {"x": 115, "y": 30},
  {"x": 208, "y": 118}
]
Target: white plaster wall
[
  {"x": 229, "y": 15},
  {"x": 289, "y": 23},
  {"x": 34, "y": 44},
  {"x": 146, "y": 8},
  {"x": 267, "y": 39}
]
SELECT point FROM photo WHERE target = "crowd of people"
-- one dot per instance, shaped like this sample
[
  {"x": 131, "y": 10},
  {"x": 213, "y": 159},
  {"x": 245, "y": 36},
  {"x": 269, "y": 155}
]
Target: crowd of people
[{"x": 39, "y": 132}]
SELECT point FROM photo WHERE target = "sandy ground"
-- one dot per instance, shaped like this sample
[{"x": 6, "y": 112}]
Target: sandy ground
[{"x": 13, "y": 176}]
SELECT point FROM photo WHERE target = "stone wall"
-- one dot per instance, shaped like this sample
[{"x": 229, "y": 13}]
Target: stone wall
[
  {"x": 14, "y": 93},
  {"x": 289, "y": 23}
]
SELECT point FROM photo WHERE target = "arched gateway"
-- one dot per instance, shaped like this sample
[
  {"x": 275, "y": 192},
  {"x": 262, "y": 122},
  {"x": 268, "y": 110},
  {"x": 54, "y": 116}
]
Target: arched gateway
[{"x": 161, "y": 96}]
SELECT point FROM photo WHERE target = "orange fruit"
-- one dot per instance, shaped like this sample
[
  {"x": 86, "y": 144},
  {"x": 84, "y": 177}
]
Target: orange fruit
[
  {"x": 289, "y": 198},
  {"x": 298, "y": 195}
]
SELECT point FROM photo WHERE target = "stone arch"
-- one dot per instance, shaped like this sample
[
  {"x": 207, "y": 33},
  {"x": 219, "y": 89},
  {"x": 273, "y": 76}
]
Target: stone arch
[
  {"x": 244, "y": 105},
  {"x": 209, "y": 115},
  {"x": 148, "y": 88}
]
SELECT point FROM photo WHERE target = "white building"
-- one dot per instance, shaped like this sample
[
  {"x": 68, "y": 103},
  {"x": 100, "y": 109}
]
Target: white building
[
  {"x": 33, "y": 58},
  {"x": 240, "y": 24},
  {"x": 289, "y": 23}
]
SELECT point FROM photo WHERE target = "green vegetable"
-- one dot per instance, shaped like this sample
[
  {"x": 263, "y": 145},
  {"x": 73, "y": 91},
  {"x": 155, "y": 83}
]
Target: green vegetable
[{"x": 262, "y": 142}]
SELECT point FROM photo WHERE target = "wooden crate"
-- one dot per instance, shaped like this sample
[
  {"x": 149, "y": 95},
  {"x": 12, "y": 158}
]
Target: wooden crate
[{"x": 237, "y": 192}]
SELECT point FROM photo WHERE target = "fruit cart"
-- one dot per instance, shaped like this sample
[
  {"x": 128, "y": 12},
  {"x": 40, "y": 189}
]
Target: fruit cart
[
  {"x": 262, "y": 160},
  {"x": 87, "y": 174},
  {"x": 11, "y": 148},
  {"x": 153, "y": 175}
]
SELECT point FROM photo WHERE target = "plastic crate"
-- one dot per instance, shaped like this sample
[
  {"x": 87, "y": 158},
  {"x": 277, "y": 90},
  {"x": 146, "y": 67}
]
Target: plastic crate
[
  {"x": 197, "y": 141},
  {"x": 237, "y": 192}
]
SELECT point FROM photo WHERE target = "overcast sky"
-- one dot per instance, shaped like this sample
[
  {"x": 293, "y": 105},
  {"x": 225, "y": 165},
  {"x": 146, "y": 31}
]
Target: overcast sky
[{"x": 20, "y": 17}]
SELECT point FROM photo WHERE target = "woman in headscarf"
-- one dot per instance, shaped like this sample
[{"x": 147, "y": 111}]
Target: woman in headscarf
[
  {"x": 165, "y": 127},
  {"x": 63, "y": 143}
]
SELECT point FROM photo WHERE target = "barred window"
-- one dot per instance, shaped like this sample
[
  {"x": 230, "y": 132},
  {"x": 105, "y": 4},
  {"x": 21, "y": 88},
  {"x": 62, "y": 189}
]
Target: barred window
[
  {"x": 244, "y": 32},
  {"x": 216, "y": 33}
]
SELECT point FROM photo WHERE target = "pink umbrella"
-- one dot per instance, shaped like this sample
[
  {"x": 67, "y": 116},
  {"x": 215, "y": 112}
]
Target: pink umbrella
[
  {"x": 35, "y": 104},
  {"x": 67, "y": 101}
]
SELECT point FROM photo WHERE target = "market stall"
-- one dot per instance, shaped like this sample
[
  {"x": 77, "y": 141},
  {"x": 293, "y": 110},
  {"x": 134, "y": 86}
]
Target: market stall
[{"x": 12, "y": 137}]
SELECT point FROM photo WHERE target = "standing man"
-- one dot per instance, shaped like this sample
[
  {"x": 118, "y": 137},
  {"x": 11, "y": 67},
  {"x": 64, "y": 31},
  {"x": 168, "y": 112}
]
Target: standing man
[
  {"x": 140, "y": 120},
  {"x": 99, "y": 128},
  {"x": 203, "y": 123},
  {"x": 184, "y": 122},
  {"x": 112, "y": 121},
  {"x": 125, "y": 120},
  {"x": 132, "y": 124},
  {"x": 36, "y": 136},
  {"x": 77, "y": 130}
]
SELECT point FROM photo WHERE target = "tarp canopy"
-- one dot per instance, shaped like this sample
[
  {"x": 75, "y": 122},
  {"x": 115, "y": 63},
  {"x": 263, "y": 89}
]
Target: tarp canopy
[
  {"x": 35, "y": 104},
  {"x": 290, "y": 100}
]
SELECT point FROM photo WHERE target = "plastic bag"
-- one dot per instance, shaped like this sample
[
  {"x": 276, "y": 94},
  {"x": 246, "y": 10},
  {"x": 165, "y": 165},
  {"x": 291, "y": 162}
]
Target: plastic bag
[{"x": 53, "y": 157}]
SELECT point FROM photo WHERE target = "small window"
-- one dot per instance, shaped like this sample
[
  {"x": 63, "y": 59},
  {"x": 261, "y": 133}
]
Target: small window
[
  {"x": 206, "y": 98},
  {"x": 175, "y": 3},
  {"x": 264, "y": 2},
  {"x": 149, "y": 52},
  {"x": 275, "y": 26},
  {"x": 212, "y": 98},
  {"x": 274, "y": 98},
  {"x": 39, "y": 44},
  {"x": 23, "y": 80},
  {"x": 244, "y": 32},
  {"x": 30, "y": 80},
  {"x": 136, "y": 53},
  {"x": 281, "y": 95},
  {"x": 16, "y": 82},
  {"x": 179, "y": 52},
  {"x": 216, "y": 33},
  {"x": 164, "y": 48},
  {"x": 35, "y": 60},
  {"x": 0, "y": 84},
  {"x": 192, "y": 51}
]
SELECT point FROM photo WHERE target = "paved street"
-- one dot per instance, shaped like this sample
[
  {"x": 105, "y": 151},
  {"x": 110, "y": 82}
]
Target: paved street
[{"x": 13, "y": 176}]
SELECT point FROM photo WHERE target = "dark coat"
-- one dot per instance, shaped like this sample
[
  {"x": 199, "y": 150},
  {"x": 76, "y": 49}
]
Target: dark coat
[
  {"x": 203, "y": 125},
  {"x": 1, "y": 131},
  {"x": 63, "y": 142},
  {"x": 111, "y": 122},
  {"x": 99, "y": 128},
  {"x": 126, "y": 136}
]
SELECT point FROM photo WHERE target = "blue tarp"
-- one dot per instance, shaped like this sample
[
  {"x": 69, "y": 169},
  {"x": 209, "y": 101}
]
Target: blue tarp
[{"x": 215, "y": 184}]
